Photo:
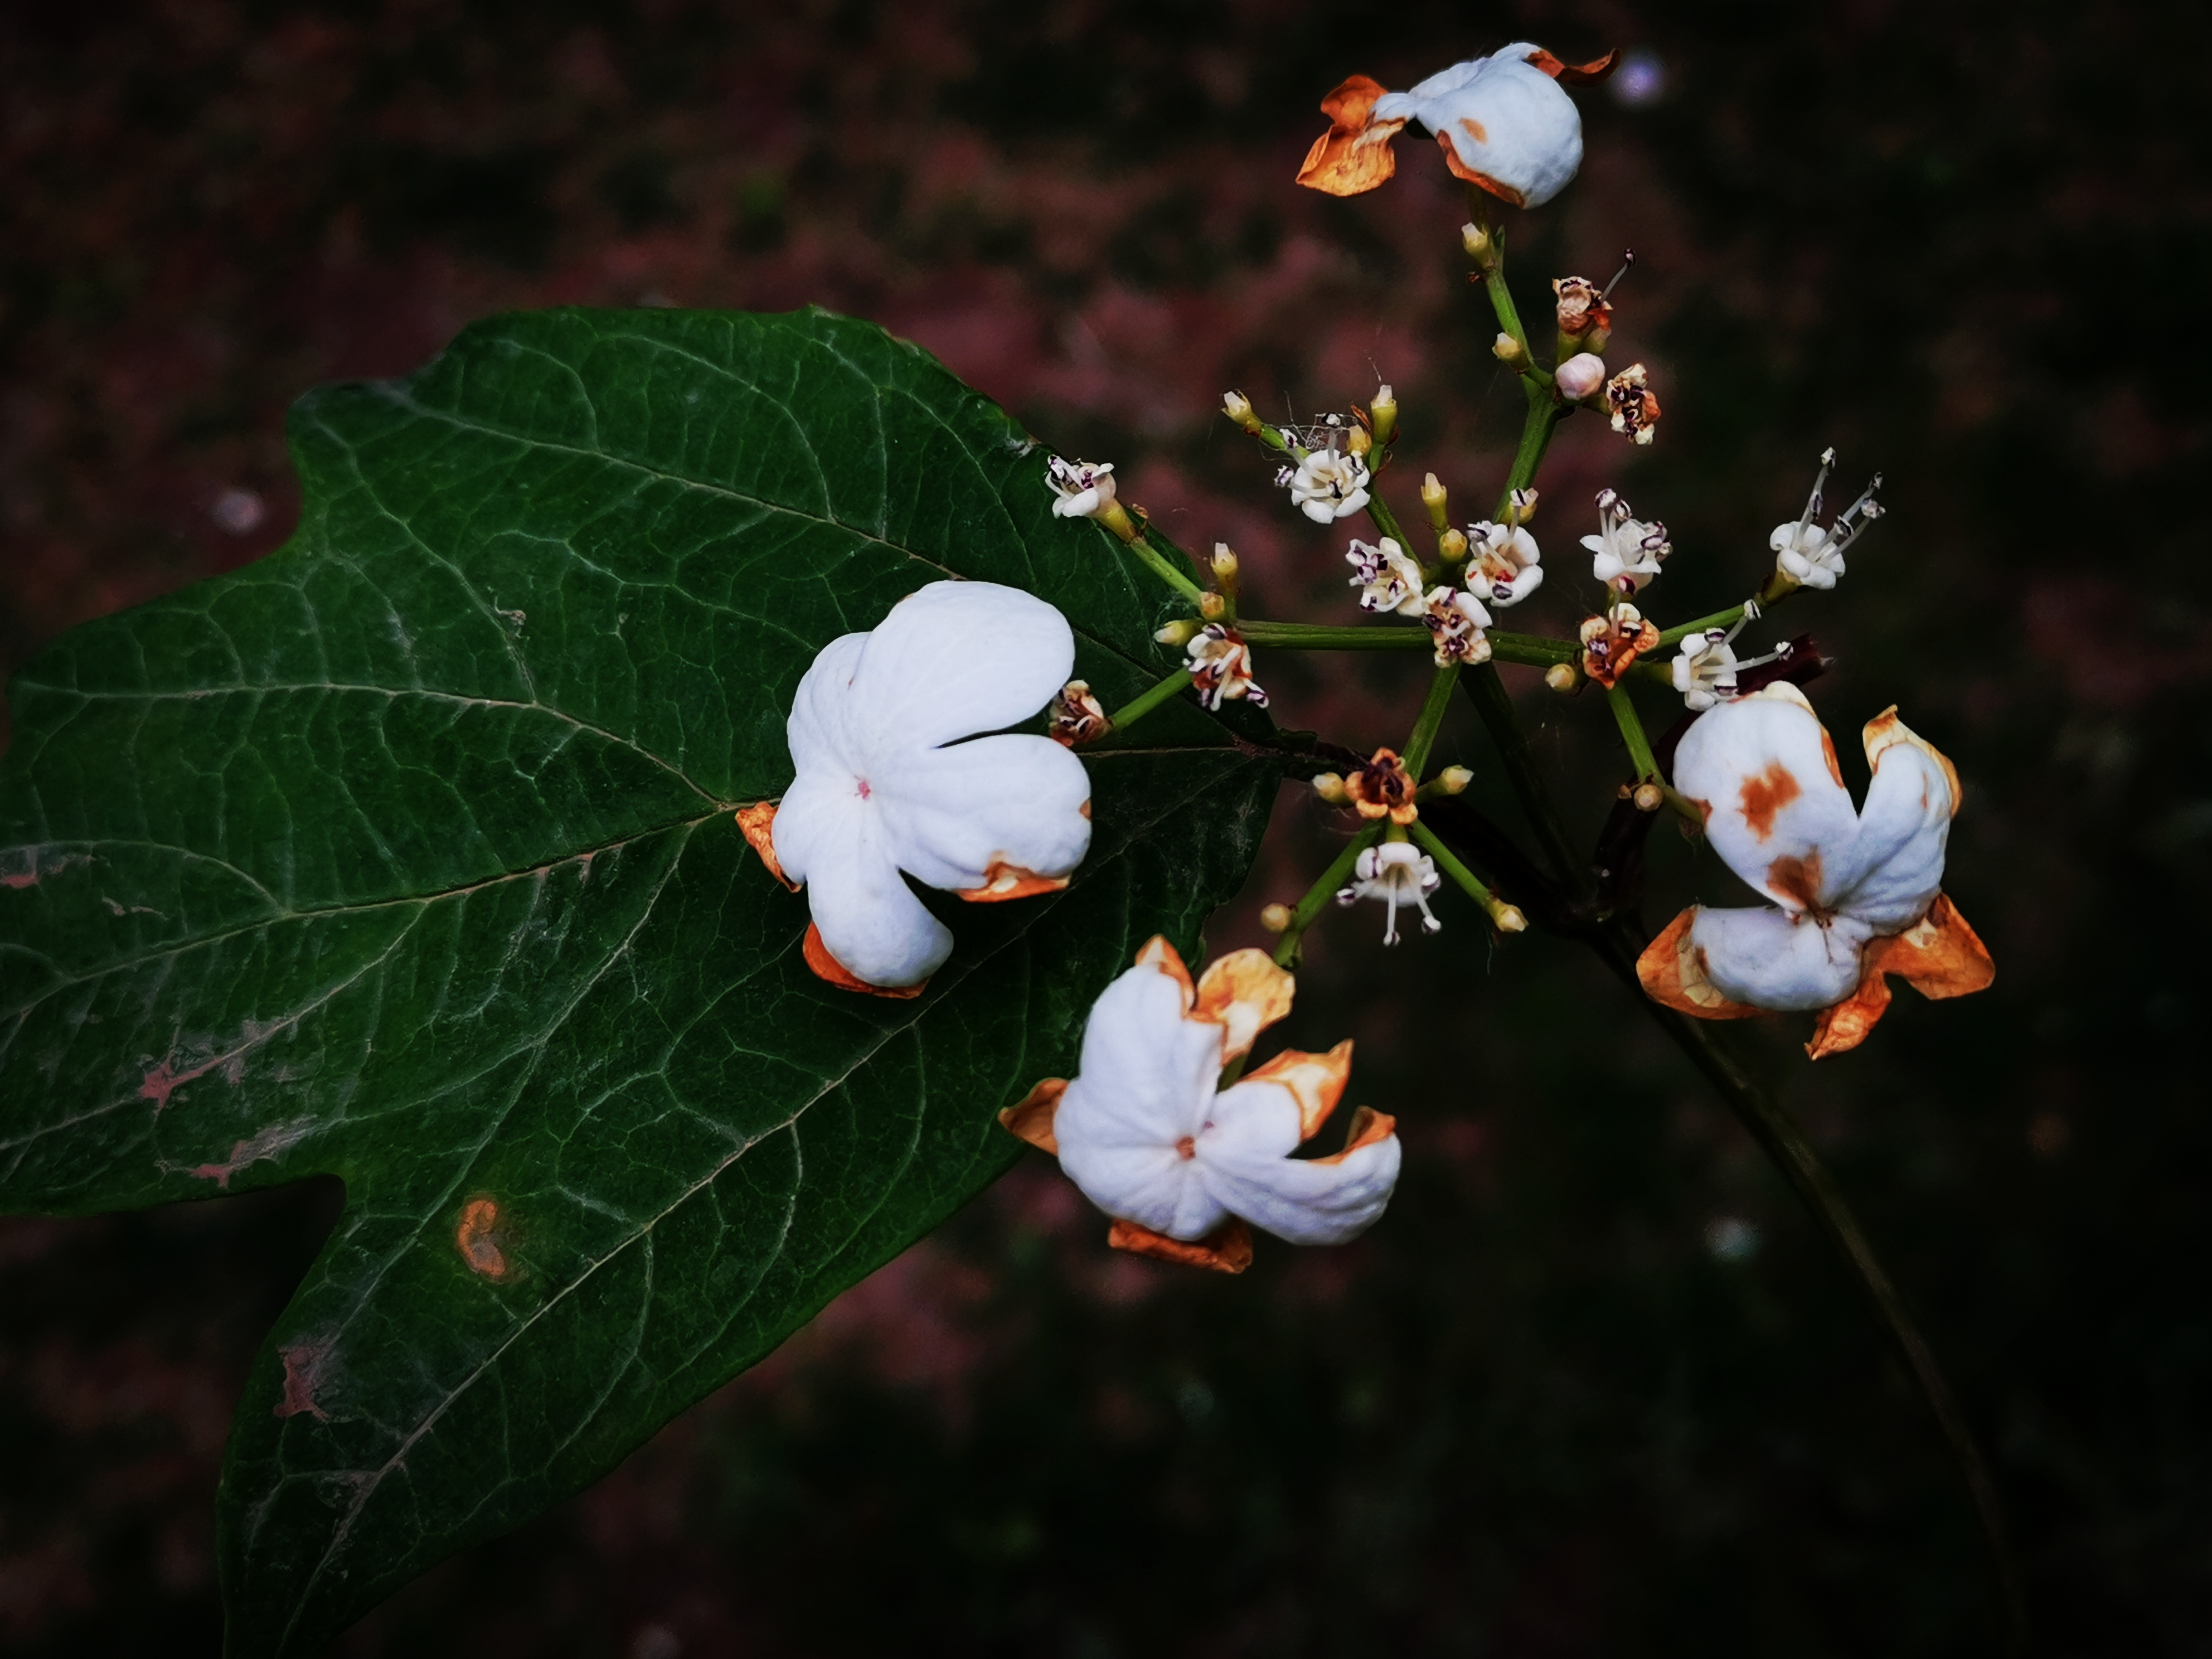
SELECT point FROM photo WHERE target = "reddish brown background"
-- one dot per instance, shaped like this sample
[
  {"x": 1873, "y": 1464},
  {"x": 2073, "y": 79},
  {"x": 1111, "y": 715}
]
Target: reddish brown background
[{"x": 1533, "y": 1414}]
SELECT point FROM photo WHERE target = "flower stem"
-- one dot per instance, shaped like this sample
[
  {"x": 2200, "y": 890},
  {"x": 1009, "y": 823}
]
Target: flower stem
[
  {"x": 1146, "y": 700},
  {"x": 1385, "y": 521},
  {"x": 1631, "y": 731},
  {"x": 1532, "y": 648},
  {"x": 1160, "y": 566},
  {"x": 1780, "y": 1139},
  {"x": 1415, "y": 758},
  {"x": 1449, "y": 862},
  {"x": 1322, "y": 890},
  {"x": 1487, "y": 692}
]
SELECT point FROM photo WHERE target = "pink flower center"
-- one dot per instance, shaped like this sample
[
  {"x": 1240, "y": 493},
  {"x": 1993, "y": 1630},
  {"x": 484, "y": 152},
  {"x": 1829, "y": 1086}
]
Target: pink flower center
[
  {"x": 861, "y": 784},
  {"x": 1187, "y": 1147}
]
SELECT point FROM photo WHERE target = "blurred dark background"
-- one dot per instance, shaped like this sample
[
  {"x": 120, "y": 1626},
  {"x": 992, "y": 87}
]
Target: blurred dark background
[{"x": 1594, "y": 1387}]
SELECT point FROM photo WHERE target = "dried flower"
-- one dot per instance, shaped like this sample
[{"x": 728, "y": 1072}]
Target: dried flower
[
  {"x": 1857, "y": 893},
  {"x": 1383, "y": 788},
  {"x": 1582, "y": 306},
  {"x": 1635, "y": 406},
  {"x": 1612, "y": 641},
  {"x": 1221, "y": 666},
  {"x": 1075, "y": 717}
]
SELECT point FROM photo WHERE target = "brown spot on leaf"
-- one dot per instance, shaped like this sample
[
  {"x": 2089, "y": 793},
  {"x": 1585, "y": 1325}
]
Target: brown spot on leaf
[
  {"x": 268, "y": 1143},
  {"x": 307, "y": 1366},
  {"x": 475, "y": 1240},
  {"x": 1765, "y": 795}
]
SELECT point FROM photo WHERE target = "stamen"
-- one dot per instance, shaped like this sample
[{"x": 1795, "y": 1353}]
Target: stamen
[
  {"x": 1627, "y": 263},
  {"x": 1812, "y": 502}
]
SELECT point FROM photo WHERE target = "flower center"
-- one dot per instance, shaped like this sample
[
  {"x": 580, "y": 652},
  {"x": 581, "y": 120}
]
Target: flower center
[
  {"x": 861, "y": 786},
  {"x": 1187, "y": 1147}
]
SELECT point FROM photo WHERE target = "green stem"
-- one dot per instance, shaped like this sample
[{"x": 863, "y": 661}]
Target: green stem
[
  {"x": 1719, "y": 619},
  {"x": 1631, "y": 731},
  {"x": 1324, "y": 890},
  {"x": 1501, "y": 300},
  {"x": 1385, "y": 521},
  {"x": 1415, "y": 759},
  {"x": 1531, "y": 648},
  {"x": 1448, "y": 862},
  {"x": 1158, "y": 563},
  {"x": 1487, "y": 692},
  {"x": 1146, "y": 700},
  {"x": 1544, "y": 417},
  {"x": 1780, "y": 1139}
]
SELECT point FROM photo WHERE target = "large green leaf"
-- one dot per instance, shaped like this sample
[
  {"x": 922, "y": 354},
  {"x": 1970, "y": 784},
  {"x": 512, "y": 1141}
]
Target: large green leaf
[{"x": 406, "y": 855}]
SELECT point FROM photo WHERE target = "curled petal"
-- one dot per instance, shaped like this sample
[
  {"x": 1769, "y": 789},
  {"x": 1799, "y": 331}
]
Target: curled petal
[
  {"x": 1575, "y": 75},
  {"x": 1030, "y": 1118},
  {"x": 1246, "y": 1168},
  {"x": 1672, "y": 971},
  {"x": 826, "y": 968},
  {"x": 958, "y": 813},
  {"x": 756, "y": 823},
  {"x": 1368, "y": 1128},
  {"x": 1892, "y": 871},
  {"x": 1353, "y": 156},
  {"x": 1315, "y": 1082},
  {"x": 1938, "y": 956},
  {"x": 1243, "y": 993},
  {"x": 1226, "y": 1249}
]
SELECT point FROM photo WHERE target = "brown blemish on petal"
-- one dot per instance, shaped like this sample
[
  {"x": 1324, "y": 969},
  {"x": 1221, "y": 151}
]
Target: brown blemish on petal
[
  {"x": 1315, "y": 1081},
  {"x": 1939, "y": 956},
  {"x": 1473, "y": 128},
  {"x": 1765, "y": 795},
  {"x": 1466, "y": 174},
  {"x": 1828, "y": 754},
  {"x": 1574, "y": 75},
  {"x": 1031, "y": 1118},
  {"x": 1798, "y": 880},
  {"x": 1010, "y": 881},
  {"x": 1672, "y": 971},
  {"x": 1368, "y": 1128},
  {"x": 475, "y": 1240},
  {"x": 1243, "y": 993},
  {"x": 832, "y": 971},
  {"x": 756, "y": 823},
  {"x": 1354, "y": 155},
  {"x": 306, "y": 1363},
  {"x": 1226, "y": 1249}
]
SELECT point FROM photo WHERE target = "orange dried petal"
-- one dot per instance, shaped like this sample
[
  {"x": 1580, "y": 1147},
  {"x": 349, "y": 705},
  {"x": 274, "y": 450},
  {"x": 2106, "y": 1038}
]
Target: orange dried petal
[
  {"x": 1315, "y": 1082},
  {"x": 832, "y": 971},
  {"x": 1031, "y": 1119},
  {"x": 1368, "y": 1126},
  {"x": 1672, "y": 971},
  {"x": 1226, "y": 1249},
  {"x": 756, "y": 823},
  {"x": 1010, "y": 881},
  {"x": 1243, "y": 993}
]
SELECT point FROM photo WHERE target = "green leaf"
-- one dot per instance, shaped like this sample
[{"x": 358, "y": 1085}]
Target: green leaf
[{"x": 406, "y": 855}]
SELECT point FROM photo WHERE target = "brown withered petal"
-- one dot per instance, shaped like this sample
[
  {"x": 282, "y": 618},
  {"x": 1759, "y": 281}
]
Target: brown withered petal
[
  {"x": 1353, "y": 156},
  {"x": 1075, "y": 717},
  {"x": 1612, "y": 645},
  {"x": 1031, "y": 1118},
  {"x": 832, "y": 971},
  {"x": 1672, "y": 971},
  {"x": 1226, "y": 1249},
  {"x": 756, "y": 823},
  {"x": 1941, "y": 956},
  {"x": 1383, "y": 787}
]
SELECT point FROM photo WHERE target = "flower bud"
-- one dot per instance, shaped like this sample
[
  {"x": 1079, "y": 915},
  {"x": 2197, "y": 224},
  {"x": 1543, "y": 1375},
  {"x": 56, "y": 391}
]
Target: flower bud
[
  {"x": 1238, "y": 407},
  {"x": 1648, "y": 797},
  {"x": 1436, "y": 499},
  {"x": 1225, "y": 566},
  {"x": 1510, "y": 352},
  {"x": 1383, "y": 411},
  {"x": 1509, "y": 918},
  {"x": 1179, "y": 633},
  {"x": 1276, "y": 918},
  {"x": 1212, "y": 606},
  {"x": 1562, "y": 677},
  {"x": 1329, "y": 786},
  {"x": 1581, "y": 376},
  {"x": 1475, "y": 239},
  {"x": 1453, "y": 780},
  {"x": 1359, "y": 443},
  {"x": 1451, "y": 546}
]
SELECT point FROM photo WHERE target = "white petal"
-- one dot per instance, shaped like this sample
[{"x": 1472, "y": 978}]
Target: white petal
[
  {"x": 1895, "y": 867},
  {"x": 954, "y": 658},
  {"x": 815, "y": 730},
  {"x": 1532, "y": 134},
  {"x": 834, "y": 842},
  {"x": 1774, "y": 811},
  {"x": 951, "y": 813},
  {"x": 1769, "y": 959},
  {"x": 1245, "y": 1158},
  {"x": 1145, "y": 1079}
]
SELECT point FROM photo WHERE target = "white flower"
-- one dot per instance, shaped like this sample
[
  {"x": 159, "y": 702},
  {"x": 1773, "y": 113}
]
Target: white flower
[
  {"x": 1813, "y": 556},
  {"x": 884, "y": 783},
  {"x": 1501, "y": 121},
  {"x": 1857, "y": 893},
  {"x": 1457, "y": 619},
  {"x": 1147, "y": 1132},
  {"x": 1580, "y": 376},
  {"x": 1221, "y": 666},
  {"x": 1396, "y": 873},
  {"x": 1503, "y": 560},
  {"x": 1327, "y": 486},
  {"x": 1083, "y": 490},
  {"x": 1627, "y": 551},
  {"x": 1705, "y": 672},
  {"x": 1388, "y": 579}
]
